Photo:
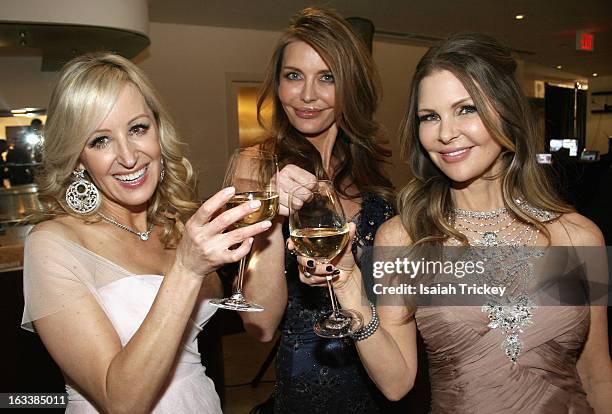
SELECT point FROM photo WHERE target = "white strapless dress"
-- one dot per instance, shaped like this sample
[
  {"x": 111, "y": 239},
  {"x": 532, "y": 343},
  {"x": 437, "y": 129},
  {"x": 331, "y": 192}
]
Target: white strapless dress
[
  {"x": 68, "y": 270},
  {"x": 188, "y": 390}
]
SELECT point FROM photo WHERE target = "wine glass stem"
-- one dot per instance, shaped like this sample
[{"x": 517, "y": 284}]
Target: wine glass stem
[
  {"x": 241, "y": 270},
  {"x": 332, "y": 296}
]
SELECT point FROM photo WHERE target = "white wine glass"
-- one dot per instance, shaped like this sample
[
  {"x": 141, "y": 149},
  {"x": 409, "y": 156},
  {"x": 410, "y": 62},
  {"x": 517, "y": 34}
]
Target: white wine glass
[
  {"x": 318, "y": 230},
  {"x": 254, "y": 175}
]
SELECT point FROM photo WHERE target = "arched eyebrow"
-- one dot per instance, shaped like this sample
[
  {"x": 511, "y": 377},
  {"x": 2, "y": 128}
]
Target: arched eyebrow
[
  {"x": 454, "y": 105},
  {"x": 321, "y": 72},
  {"x": 105, "y": 130},
  {"x": 462, "y": 101},
  {"x": 139, "y": 116}
]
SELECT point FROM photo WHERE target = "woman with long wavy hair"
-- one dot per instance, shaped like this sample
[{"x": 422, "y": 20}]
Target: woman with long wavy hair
[
  {"x": 121, "y": 265},
  {"x": 324, "y": 90},
  {"x": 471, "y": 144}
]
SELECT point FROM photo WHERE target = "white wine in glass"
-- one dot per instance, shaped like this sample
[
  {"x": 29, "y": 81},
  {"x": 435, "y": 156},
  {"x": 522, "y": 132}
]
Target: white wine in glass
[
  {"x": 318, "y": 230},
  {"x": 267, "y": 211},
  {"x": 322, "y": 244},
  {"x": 253, "y": 174}
]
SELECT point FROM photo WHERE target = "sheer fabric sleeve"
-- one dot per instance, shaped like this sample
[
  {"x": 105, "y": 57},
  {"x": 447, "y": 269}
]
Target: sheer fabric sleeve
[{"x": 56, "y": 274}]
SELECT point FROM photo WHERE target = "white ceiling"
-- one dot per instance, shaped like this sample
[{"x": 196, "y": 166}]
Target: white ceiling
[{"x": 547, "y": 34}]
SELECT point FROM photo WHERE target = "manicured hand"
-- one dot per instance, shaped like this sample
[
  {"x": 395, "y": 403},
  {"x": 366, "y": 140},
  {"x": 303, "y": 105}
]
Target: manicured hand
[{"x": 205, "y": 245}]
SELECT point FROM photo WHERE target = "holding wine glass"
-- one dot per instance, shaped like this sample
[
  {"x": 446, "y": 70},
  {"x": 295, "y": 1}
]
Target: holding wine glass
[
  {"x": 319, "y": 230},
  {"x": 253, "y": 174}
]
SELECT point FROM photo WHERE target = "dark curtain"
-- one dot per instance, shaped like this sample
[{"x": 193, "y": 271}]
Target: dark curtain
[
  {"x": 581, "y": 113},
  {"x": 559, "y": 114}
]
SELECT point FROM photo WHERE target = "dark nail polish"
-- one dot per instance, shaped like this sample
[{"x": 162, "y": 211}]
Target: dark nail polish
[
  {"x": 336, "y": 272},
  {"x": 329, "y": 268},
  {"x": 310, "y": 263}
]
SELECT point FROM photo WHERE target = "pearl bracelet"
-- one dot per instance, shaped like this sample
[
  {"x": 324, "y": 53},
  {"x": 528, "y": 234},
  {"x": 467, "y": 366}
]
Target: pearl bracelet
[{"x": 370, "y": 328}]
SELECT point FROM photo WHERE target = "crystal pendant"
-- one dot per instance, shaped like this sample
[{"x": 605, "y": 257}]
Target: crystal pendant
[
  {"x": 489, "y": 238},
  {"x": 144, "y": 236}
]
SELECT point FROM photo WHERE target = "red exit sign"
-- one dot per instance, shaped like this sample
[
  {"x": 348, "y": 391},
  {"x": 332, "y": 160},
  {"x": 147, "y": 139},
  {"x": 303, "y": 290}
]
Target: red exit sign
[{"x": 585, "y": 40}]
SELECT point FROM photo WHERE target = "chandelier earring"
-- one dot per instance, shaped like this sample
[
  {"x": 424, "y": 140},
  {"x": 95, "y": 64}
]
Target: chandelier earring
[
  {"x": 162, "y": 173},
  {"x": 82, "y": 196}
]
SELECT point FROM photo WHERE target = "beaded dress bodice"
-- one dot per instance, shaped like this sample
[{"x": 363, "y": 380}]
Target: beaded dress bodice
[{"x": 506, "y": 356}]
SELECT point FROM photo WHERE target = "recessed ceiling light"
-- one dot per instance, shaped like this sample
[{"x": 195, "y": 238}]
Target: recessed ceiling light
[
  {"x": 559, "y": 67},
  {"x": 519, "y": 16},
  {"x": 594, "y": 74}
]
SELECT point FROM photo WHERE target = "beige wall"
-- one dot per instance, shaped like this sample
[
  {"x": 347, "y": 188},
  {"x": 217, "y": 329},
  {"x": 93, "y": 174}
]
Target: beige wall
[{"x": 396, "y": 64}]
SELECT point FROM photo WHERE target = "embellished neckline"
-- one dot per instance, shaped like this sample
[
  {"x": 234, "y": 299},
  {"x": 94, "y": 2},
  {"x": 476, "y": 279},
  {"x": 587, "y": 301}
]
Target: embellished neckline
[
  {"x": 492, "y": 228},
  {"x": 482, "y": 215},
  {"x": 537, "y": 213}
]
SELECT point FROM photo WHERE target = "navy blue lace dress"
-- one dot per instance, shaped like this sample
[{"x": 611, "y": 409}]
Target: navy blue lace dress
[{"x": 317, "y": 375}]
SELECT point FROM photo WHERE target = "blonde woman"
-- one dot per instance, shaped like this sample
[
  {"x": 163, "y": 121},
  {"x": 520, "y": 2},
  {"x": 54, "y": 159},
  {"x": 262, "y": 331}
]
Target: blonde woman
[{"x": 119, "y": 270}]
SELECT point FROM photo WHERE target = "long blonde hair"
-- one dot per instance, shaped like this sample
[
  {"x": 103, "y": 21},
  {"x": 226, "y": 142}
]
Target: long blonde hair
[
  {"x": 87, "y": 90},
  {"x": 358, "y": 147},
  {"x": 487, "y": 71}
]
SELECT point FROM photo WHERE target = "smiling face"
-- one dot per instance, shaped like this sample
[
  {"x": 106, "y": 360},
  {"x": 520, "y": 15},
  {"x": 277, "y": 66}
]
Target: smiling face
[
  {"x": 123, "y": 155},
  {"x": 451, "y": 131},
  {"x": 307, "y": 90}
]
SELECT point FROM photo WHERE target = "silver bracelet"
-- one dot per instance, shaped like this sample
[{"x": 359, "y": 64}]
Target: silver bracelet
[{"x": 370, "y": 328}]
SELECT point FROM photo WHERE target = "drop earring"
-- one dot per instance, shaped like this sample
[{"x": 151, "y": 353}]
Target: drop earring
[
  {"x": 82, "y": 196},
  {"x": 162, "y": 173}
]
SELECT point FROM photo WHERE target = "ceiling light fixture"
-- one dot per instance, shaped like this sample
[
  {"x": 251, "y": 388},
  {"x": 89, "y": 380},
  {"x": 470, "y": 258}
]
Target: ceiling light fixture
[
  {"x": 519, "y": 16},
  {"x": 594, "y": 74},
  {"x": 559, "y": 67},
  {"x": 30, "y": 112}
]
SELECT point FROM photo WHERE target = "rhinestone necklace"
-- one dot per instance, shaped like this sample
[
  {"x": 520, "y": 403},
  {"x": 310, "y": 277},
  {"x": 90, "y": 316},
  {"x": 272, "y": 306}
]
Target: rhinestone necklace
[
  {"x": 481, "y": 223},
  {"x": 492, "y": 228},
  {"x": 489, "y": 237},
  {"x": 144, "y": 235},
  {"x": 481, "y": 215}
]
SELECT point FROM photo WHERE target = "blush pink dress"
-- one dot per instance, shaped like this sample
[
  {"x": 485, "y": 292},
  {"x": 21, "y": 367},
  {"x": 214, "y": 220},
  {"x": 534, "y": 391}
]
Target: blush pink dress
[{"x": 471, "y": 373}]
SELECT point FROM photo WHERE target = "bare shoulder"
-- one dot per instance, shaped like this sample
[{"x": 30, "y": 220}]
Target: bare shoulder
[
  {"x": 392, "y": 233},
  {"x": 573, "y": 229},
  {"x": 64, "y": 226}
]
